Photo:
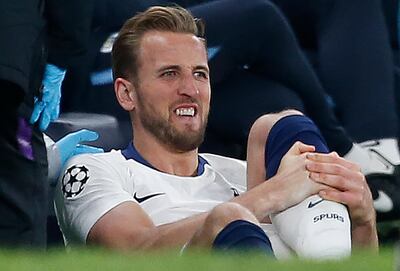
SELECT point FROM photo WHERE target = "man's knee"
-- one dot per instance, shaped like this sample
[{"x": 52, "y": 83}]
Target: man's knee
[
  {"x": 263, "y": 125},
  {"x": 225, "y": 213},
  {"x": 218, "y": 219},
  {"x": 230, "y": 226},
  {"x": 234, "y": 227}
]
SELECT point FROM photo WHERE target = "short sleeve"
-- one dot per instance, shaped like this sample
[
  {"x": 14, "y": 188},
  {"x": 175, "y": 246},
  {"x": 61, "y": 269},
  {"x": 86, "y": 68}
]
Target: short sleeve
[{"x": 89, "y": 188}]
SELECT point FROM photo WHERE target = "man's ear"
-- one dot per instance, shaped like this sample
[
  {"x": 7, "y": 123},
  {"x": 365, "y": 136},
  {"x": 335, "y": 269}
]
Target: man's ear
[{"x": 124, "y": 91}]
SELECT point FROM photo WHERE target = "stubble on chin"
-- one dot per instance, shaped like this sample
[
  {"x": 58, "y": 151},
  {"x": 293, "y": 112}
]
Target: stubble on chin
[{"x": 169, "y": 135}]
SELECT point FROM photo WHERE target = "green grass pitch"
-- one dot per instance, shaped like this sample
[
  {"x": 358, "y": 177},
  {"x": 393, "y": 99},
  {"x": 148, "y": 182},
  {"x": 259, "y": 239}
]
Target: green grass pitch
[{"x": 97, "y": 260}]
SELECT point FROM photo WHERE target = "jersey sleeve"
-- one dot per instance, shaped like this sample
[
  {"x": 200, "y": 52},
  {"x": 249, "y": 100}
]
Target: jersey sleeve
[{"x": 90, "y": 187}]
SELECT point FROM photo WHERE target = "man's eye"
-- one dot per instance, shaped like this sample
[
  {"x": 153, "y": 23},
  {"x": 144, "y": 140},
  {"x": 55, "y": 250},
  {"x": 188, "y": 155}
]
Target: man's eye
[
  {"x": 201, "y": 74},
  {"x": 168, "y": 73}
]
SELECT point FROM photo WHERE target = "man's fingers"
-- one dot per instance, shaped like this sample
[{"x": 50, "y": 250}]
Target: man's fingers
[
  {"x": 334, "y": 169},
  {"x": 87, "y": 149},
  {"x": 335, "y": 181},
  {"x": 47, "y": 95},
  {"x": 335, "y": 195},
  {"x": 355, "y": 201},
  {"x": 37, "y": 109},
  {"x": 55, "y": 112},
  {"x": 299, "y": 148},
  {"x": 44, "y": 120},
  {"x": 83, "y": 135},
  {"x": 332, "y": 157},
  {"x": 70, "y": 141},
  {"x": 87, "y": 135}
]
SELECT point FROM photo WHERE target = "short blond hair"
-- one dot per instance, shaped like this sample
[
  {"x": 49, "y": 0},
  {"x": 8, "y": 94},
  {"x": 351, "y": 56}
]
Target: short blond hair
[{"x": 126, "y": 46}]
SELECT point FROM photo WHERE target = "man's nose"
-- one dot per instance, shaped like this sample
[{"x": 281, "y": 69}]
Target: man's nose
[{"x": 188, "y": 86}]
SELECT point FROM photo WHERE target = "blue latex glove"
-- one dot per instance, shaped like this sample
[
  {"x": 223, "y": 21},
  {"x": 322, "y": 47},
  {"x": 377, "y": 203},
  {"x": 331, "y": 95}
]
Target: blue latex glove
[
  {"x": 68, "y": 146},
  {"x": 47, "y": 107}
]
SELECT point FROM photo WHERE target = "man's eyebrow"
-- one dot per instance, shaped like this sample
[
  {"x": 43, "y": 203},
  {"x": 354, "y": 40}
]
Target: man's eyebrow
[
  {"x": 178, "y": 67},
  {"x": 202, "y": 67},
  {"x": 168, "y": 67}
]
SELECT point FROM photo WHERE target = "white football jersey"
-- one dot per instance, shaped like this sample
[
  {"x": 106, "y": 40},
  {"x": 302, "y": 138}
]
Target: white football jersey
[{"x": 93, "y": 184}]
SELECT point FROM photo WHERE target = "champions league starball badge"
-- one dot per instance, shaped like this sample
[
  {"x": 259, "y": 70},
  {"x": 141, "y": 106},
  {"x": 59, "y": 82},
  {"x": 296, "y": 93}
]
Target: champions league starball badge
[{"x": 74, "y": 180}]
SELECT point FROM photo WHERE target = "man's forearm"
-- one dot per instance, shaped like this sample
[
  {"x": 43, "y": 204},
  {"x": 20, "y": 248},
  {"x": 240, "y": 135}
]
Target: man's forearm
[
  {"x": 272, "y": 196},
  {"x": 175, "y": 234},
  {"x": 260, "y": 200},
  {"x": 127, "y": 227},
  {"x": 365, "y": 236}
]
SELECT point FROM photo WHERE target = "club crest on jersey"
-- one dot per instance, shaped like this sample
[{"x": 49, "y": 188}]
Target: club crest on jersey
[{"x": 74, "y": 180}]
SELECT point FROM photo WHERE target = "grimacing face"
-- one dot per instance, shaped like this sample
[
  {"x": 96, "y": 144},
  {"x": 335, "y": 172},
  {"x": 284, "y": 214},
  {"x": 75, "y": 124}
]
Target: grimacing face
[{"x": 173, "y": 89}]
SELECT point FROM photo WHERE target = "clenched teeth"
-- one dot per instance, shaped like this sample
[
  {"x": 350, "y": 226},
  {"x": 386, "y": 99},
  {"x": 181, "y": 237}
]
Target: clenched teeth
[{"x": 185, "y": 111}]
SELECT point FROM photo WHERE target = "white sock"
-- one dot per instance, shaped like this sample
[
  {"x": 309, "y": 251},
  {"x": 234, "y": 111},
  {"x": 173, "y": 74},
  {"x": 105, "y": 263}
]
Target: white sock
[{"x": 315, "y": 229}]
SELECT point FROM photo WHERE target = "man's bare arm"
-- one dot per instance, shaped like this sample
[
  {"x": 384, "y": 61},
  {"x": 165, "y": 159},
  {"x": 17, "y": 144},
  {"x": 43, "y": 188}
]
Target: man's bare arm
[{"x": 127, "y": 227}]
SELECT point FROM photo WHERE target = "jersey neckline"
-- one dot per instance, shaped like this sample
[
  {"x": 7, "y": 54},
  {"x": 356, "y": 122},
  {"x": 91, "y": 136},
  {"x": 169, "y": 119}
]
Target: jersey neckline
[{"x": 130, "y": 152}]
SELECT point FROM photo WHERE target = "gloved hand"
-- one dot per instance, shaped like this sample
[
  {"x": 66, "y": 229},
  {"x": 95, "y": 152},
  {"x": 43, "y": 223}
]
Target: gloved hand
[
  {"x": 47, "y": 107},
  {"x": 68, "y": 146}
]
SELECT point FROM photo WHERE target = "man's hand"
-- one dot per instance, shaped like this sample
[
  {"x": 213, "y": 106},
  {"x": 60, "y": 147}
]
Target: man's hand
[
  {"x": 47, "y": 107},
  {"x": 347, "y": 185},
  {"x": 294, "y": 176},
  {"x": 69, "y": 145},
  {"x": 288, "y": 187},
  {"x": 66, "y": 147}
]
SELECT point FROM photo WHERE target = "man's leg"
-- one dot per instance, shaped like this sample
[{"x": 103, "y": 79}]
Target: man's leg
[
  {"x": 314, "y": 228},
  {"x": 230, "y": 226}
]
